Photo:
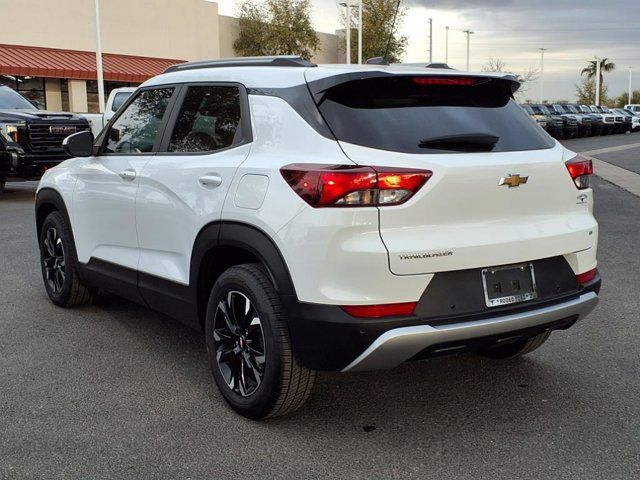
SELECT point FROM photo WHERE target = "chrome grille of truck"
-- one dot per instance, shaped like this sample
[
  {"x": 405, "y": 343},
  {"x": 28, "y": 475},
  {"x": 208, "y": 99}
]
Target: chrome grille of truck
[{"x": 49, "y": 136}]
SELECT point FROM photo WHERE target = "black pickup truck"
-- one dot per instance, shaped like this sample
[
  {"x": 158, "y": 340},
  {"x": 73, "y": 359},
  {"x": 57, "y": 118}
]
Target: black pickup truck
[{"x": 31, "y": 139}]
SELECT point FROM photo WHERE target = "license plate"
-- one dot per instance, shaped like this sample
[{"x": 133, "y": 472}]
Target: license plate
[{"x": 509, "y": 284}]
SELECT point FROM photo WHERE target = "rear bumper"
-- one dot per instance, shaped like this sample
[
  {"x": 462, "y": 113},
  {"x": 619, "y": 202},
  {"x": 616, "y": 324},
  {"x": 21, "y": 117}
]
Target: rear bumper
[
  {"x": 398, "y": 345},
  {"x": 324, "y": 337}
]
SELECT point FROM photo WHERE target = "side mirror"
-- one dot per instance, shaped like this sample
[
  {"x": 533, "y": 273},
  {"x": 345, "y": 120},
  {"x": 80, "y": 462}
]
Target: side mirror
[{"x": 79, "y": 144}]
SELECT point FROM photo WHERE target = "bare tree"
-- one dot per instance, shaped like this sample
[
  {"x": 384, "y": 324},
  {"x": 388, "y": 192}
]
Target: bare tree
[{"x": 525, "y": 78}]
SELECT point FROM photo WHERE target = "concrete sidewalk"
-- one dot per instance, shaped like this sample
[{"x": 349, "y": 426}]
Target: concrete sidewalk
[{"x": 623, "y": 178}]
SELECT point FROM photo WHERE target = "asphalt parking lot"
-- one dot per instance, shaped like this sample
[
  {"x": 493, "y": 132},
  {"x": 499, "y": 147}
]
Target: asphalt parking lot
[{"x": 114, "y": 391}]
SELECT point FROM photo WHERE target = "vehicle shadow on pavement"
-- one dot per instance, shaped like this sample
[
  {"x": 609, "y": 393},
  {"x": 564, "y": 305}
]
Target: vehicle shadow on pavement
[{"x": 464, "y": 393}]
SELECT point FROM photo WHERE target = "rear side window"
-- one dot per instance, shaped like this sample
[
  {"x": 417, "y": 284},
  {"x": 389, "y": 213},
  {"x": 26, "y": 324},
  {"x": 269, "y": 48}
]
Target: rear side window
[
  {"x": 209, "y": 120},
  {"x": 119, "y": 100},
  {"x": 136, "y": 129},
  {"x": 412, "y": 114}
]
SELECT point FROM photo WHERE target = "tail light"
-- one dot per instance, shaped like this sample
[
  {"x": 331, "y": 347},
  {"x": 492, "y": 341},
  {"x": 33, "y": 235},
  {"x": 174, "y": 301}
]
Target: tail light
[
  {"x": 380, "y": 311},
  {"x": 580, "y": 168},
  {"x": 585, "y": 277},
  {"x": 353, "y": 186}
]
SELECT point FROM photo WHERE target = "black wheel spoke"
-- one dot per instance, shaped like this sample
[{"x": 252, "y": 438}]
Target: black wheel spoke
[
  {"x": 239, "y": 343},
  {"x": 53, "y": 260}
]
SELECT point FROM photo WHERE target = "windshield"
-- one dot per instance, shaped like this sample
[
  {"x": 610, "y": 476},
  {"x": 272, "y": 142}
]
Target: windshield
[
  {"x": 528, "y": 109},
  {"x": 10, "y": 99},
  {"x": 570, "y": 109},
  {"x": 415, "y": 114}
]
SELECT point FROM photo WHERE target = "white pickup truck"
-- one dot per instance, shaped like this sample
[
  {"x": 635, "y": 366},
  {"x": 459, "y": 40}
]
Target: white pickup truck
[{"x": 116, "y": 98}]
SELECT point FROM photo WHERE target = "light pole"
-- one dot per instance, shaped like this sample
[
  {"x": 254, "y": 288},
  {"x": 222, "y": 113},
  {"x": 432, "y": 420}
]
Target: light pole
[
  {"x": 96, "y": 10},
  {"x": 629, "y": 85},
  {"x": 469, "y": 33},
  {"x": 430, "y": 40},
  {"x": 542, "y": 50},
  {"x": 597, "y": 81},
  {"x": 348, "y": 6},
  {"x": 446, "y": 45},
  {"x": 360, "y": 32}
]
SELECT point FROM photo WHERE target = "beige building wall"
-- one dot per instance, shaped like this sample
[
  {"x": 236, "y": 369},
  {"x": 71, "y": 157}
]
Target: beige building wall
[
  {"x": 176, "y": 29},
  {"x": 229, "y": 30},
  {"x": 53, "y": 94}
]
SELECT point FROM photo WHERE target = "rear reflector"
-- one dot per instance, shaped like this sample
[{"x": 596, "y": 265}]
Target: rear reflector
[
  {"x": 353, "y": 186},
  {"x": 450, "y": 81},
  {"x": 585, "y": 277},
  {"x": 580, "y": 168},
  {"x": 379, "y": 311}
]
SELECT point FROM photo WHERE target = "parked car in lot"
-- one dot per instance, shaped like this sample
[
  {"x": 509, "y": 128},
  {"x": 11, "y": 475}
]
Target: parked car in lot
[
  {"x": 569, "y": 122},
  {"x": 633, "y": 107},
  {"x": 339, "y": 218},
  {"x": 584, "y": 121},
  {"x": 31, "y": 139},
  {"x": 541, "y": 120},
  {"x": 554, "y": 125},
  {"x": 618, "y": 120},
  {"x": 608, "y": 119},
  {"x": 628, "y": 118},
  {"x": 635, "y": 119},
  {"x": 594, "y": 122},
  {"x": 116, "y": 99}
]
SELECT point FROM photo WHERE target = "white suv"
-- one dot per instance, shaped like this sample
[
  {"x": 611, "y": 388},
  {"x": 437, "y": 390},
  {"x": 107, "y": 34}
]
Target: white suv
[{"x": 325, "y": 218}]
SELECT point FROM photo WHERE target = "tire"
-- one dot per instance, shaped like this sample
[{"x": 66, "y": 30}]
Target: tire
[
  {"x": 253, "y": 339},
  {"x": 3, "y": 183},
  {"x": 515, "y": 349},
  {"x": 59, "y": 264}
]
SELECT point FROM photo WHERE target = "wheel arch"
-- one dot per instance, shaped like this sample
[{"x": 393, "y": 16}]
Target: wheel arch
[
  {"x": 221, "y": 245},
  {"x": 49, "y": 200}
]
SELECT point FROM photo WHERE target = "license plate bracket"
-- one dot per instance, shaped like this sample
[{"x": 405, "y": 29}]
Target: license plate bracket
[{"x": 509, "y": 284}]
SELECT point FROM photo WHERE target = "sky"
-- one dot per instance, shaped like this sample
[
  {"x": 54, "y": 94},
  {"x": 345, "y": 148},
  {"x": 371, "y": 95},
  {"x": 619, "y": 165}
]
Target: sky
[{"x": 572, "y": 31}]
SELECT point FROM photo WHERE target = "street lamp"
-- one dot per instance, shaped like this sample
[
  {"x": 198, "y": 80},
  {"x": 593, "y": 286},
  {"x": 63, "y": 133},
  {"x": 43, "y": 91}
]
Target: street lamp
[
  {"x": 348, "y": 6},
  {"x": 629, "y": 85},
  {"x": 469, "y": 33},
  {"x": 542, "y": 50},
  {"x": 96, "y": 11}
]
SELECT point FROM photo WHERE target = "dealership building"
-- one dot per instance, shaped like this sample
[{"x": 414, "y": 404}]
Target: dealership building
[{"x": 47, "y": 48}]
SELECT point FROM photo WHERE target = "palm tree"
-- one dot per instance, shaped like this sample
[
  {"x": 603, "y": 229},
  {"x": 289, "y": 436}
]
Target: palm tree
[{"x": 592, "y": 67}]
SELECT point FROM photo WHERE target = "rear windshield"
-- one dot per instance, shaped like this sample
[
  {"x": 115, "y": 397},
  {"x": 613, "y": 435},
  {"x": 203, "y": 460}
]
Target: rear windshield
[{"x": 414, "y": 114}]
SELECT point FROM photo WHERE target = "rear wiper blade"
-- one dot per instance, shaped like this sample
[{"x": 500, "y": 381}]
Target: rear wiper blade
[{"x": 463, "y": 142}]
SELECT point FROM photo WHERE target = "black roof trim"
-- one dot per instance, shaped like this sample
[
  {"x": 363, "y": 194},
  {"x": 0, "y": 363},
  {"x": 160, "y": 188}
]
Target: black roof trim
[{"x": 274, "y": 61}]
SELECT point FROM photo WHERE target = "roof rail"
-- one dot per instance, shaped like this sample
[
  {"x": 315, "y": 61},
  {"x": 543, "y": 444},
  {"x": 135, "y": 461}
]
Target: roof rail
[
  {"x": 376, "y": 61},
  {"x": 273, "y": 61}
]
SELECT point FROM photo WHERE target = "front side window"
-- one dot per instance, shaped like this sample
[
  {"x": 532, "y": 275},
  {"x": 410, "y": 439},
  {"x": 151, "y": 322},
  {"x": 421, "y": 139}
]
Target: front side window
[
  {"x": 209, "y": 120},
  {"x": 136, "y": 129}
]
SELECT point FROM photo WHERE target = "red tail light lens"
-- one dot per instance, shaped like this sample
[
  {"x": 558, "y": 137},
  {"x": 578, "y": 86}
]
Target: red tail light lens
[
  {"x": 580, "y": 168},
  {"x": 449, "y": 81},
  {"x": 353, "y": 186},
  {"x": 379, "y": 311},
  {"x": 585, "y": 277}
]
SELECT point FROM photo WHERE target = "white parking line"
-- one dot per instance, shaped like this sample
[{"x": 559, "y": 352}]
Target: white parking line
[
  {"x": 626, "y": 179},
  {"x": 619, "y": 148}
]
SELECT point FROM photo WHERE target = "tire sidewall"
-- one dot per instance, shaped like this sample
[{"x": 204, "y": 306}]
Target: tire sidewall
[
  {"x": 55, "y": 220},
  {"x": 262, "y": 401}
]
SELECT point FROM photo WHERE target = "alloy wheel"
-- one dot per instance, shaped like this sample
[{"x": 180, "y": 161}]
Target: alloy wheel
[
  {"x": 239, "y": 343},
  {"x": 54, "y": 260}
]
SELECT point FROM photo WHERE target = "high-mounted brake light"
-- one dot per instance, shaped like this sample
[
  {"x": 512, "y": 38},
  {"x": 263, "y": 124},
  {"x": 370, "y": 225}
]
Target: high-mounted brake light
[
  {"x": 580, "y": 168},
  {"x": 380, "y": 311},
  {"x": 353, "y": 186},
  {"x": 585, "y": 277},
  {"x": 449, "y": 81}
]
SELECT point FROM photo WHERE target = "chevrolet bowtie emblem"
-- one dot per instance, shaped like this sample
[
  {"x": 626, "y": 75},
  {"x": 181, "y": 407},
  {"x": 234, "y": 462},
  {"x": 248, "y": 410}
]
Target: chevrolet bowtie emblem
[{"x": 513, "y": 180}]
